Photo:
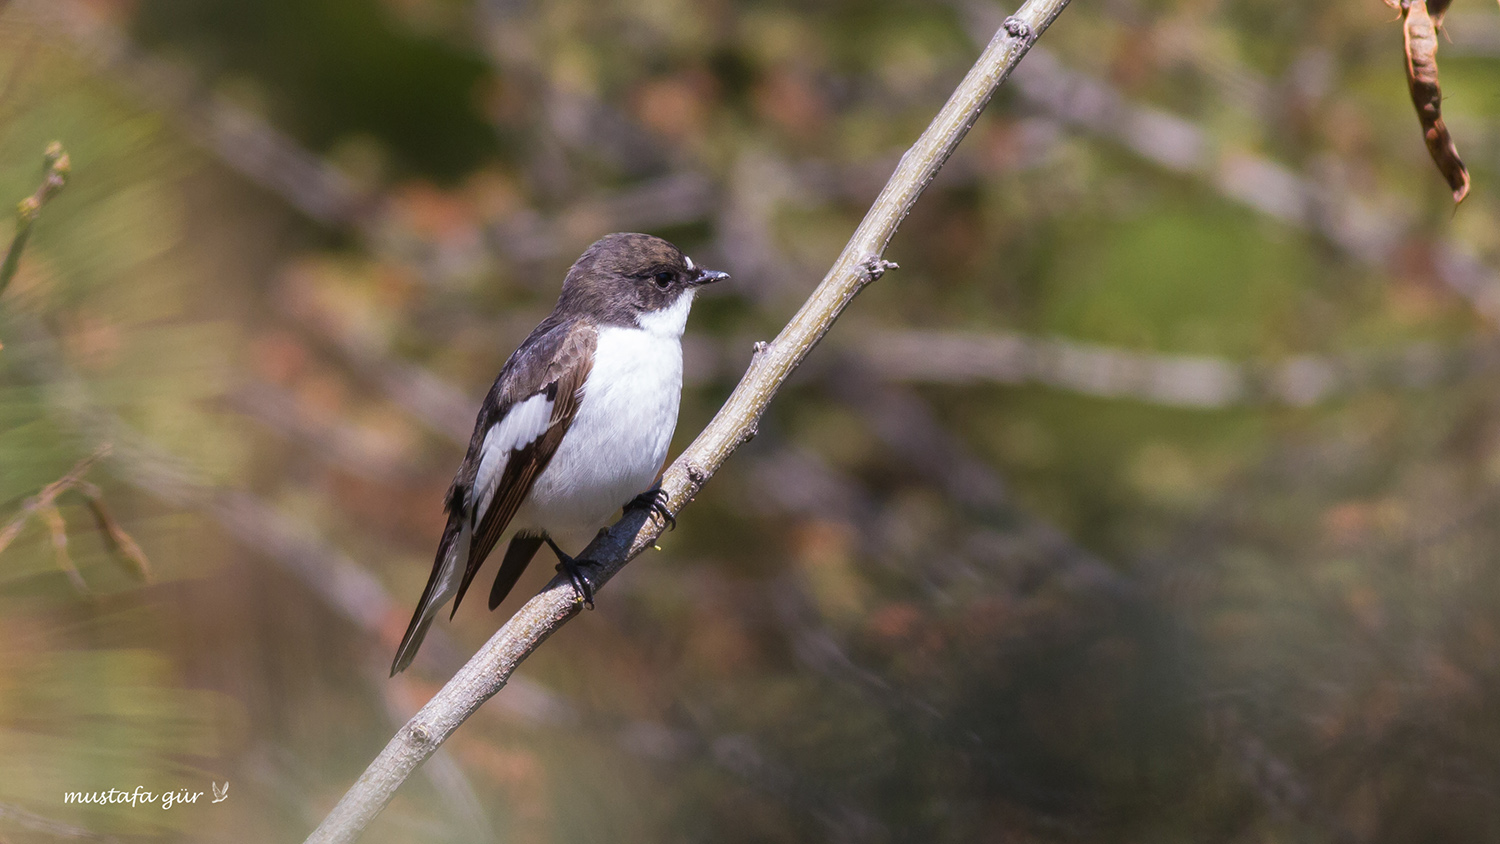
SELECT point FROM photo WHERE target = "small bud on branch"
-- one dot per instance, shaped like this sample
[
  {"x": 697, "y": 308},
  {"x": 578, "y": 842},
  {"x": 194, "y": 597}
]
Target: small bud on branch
[{"x": 55, "y": 175}]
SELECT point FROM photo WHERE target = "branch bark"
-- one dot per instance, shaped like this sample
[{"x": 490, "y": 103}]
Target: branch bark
[{"x": 860, "y": 263}]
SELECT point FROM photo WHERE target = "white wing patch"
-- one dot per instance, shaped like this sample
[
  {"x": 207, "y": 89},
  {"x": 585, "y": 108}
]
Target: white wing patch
[{"x": 521, "y": 426}]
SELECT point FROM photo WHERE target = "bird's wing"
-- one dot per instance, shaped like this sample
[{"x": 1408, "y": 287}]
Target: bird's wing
[
  {"x": 514, "y": 457},
  {"x": 520, "y": 426}
]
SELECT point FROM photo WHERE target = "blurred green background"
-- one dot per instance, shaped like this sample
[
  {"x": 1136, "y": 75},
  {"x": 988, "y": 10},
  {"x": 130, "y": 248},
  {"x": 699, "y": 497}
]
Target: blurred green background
[{"x": 1155, "y": 497}]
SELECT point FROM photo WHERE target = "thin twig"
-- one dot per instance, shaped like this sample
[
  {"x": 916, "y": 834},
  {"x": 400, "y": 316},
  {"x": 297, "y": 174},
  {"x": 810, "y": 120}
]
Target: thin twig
[
  {"x": 53, "y": 179},
  {"x": 860, "y": 263},
  {"x": 43, "y": 506},
  {"x": 42, "y": 500}
]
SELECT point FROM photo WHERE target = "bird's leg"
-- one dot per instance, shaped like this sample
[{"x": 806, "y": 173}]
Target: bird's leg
[
  {"x": 570, "y": 565},
  {"x": 654, "y": 500}
]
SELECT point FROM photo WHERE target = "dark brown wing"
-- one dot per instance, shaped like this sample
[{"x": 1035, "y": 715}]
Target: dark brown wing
[{"x": 563, "y": 383}]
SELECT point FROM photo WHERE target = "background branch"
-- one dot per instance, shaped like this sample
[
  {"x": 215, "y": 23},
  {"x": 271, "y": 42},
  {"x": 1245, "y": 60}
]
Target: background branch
[{"x": 859, "y": 264}]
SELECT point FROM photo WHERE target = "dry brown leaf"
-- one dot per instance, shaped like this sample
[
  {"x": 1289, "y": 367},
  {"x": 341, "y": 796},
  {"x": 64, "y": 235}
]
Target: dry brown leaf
[
  {"x": 59, "y": 530},
  {"x": 1436, "y": 9},
  {"x": 43, "y": 506},
  {"x": 1422, "y": 81},
  {"x": 119, "y": 542}
]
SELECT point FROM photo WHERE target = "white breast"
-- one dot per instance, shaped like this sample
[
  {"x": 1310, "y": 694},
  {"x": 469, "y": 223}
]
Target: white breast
[{"x": 619, "y": 438}]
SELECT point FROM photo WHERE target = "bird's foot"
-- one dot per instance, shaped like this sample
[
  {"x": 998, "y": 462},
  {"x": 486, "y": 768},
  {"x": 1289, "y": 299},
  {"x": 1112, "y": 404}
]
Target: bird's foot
[
  {"x": 654, "y": 500},
  {"x": 580, "y": 583},
  {"x": 574, "y": 569}
]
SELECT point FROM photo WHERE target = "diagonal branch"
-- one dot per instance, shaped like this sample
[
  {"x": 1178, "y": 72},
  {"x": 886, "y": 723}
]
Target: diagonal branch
[{"x": 859, "y": 264}]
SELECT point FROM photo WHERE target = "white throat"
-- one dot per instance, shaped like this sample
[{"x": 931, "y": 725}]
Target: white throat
[{"x": 669, "y": 322}]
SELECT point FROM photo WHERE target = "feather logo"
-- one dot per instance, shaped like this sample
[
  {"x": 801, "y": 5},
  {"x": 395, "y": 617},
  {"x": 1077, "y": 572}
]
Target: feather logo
[{"x": 220, "y": 794}]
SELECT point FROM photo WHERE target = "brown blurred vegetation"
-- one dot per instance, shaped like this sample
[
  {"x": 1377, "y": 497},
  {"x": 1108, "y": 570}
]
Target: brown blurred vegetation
[{"x": 1155, "y": 498}]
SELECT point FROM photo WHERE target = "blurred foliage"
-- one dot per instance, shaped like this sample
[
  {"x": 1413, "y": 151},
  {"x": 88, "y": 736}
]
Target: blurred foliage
[
  {"x": 337, "y": 70},
  {"x": 905, "y": 612}
]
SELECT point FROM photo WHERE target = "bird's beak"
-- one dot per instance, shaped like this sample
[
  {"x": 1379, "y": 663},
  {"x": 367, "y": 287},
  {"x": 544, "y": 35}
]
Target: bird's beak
[{"x": 709, "y": 277}]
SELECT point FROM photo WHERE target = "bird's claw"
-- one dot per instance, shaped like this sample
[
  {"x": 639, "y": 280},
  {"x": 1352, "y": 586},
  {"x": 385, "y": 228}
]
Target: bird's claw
[
  {"x": 654, "y": 500},
  {"x": 574, "y": 569},
  {"x": 581, "y": 586}
]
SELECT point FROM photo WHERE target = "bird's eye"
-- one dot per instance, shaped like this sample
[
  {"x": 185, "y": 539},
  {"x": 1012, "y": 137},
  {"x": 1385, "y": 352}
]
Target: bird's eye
[{"x": 663, "y": 279}]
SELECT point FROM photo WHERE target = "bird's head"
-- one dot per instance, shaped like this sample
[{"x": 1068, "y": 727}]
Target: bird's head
[{"x": 635, "y": 280}]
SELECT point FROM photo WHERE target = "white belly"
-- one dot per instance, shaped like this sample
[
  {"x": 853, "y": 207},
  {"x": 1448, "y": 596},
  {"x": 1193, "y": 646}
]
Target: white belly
[{"x": 619, "y": 438}]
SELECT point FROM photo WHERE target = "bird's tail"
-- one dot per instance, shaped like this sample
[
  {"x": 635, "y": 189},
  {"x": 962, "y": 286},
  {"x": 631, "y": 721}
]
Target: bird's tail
[{"x": 447, "y": 570}]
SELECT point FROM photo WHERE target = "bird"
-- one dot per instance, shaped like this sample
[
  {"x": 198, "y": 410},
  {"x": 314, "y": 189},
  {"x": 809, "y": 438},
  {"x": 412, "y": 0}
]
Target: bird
[{"x": 576, "y": 426}]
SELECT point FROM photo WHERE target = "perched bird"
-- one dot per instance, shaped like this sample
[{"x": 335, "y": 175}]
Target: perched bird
[{"x": 577, "y": 424}]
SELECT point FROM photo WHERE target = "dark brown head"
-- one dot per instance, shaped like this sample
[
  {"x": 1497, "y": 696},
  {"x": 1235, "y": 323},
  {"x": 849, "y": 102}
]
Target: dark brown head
[{"x": 634, "y": 280}]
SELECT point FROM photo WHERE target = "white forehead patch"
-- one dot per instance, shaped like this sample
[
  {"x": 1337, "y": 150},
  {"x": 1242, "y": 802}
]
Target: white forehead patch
[{"x": 689, "y": 262}]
